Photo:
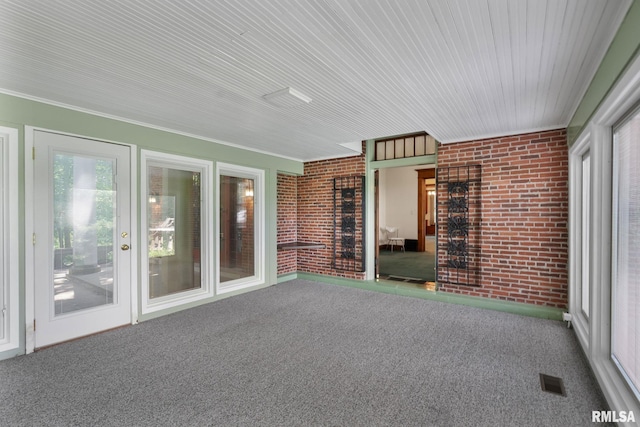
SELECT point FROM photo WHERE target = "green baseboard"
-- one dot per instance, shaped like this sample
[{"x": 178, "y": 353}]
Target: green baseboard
[
  {"x": 389, "y": 287},
  {"x": 286, "y": 277}
]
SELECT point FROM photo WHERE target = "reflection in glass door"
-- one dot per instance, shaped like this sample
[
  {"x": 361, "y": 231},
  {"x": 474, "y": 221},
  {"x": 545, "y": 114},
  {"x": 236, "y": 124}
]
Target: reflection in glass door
[{"x": 83, "y": 232}]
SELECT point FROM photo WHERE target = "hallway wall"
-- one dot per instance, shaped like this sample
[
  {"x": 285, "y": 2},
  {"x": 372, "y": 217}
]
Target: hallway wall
[{"x": 399, "y": 200}]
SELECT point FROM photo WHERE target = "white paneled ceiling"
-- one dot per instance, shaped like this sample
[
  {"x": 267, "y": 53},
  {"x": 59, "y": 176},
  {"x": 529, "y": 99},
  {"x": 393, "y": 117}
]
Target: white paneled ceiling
[{"x": 457, "y": 69}]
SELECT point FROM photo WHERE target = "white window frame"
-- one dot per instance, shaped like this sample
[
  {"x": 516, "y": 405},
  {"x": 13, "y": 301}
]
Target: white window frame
[
  {"x": 9, "y": 270},
  {"x": 614, "y": 255},
  {"x": 259, "y": 223},
  {"x": 205, "y": 168},
  {"x": 620, "y": 100},
  {"x": 579, "y": 262}
]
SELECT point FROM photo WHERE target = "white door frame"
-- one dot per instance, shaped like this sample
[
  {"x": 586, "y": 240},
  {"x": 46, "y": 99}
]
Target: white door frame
[{"x": 29, "y": 230}]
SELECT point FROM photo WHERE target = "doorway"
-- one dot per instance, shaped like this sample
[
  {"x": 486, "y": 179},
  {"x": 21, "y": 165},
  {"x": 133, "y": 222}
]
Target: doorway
[
  {"x": 405, "y": 211},
  {"x": 82, "y": 225},
  {"x": 426, "y": 209}
]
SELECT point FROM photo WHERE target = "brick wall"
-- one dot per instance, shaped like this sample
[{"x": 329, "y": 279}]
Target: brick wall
[
  {"x": 524, "y": 208},
  {"x": 315, "y": 212},
  {"x": 524, "y": 238},
  {"x": 287, "y": 222}
]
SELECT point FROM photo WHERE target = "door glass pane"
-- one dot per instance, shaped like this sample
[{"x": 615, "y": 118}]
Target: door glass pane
[
  {"x": 237, "y": 228},
  {"x": 625, "y": 345},
  {"x": 83, "y": 232},
  {"x": 173, "y": 218}
]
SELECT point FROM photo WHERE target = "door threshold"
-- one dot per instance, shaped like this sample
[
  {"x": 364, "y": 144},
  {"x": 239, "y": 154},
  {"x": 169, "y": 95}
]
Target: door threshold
[
  {"x": 48, "y": 346},
  {"x": 410, "y": 282}
]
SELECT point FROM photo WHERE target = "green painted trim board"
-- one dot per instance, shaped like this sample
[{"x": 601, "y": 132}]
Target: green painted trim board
[
  {"x": 623, "y": 49},
  {"x": 478, "y": 302},
  {"x": 286, "y": 277}
]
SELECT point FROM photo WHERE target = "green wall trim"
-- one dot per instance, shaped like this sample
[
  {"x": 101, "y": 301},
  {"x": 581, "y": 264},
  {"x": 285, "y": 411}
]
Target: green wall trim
[
  {"x": 621, "y": 52},
  {"x": 529, "y": 310},
  {"x": 407, "y": 161},
  {"x": 286, "y": 277}
]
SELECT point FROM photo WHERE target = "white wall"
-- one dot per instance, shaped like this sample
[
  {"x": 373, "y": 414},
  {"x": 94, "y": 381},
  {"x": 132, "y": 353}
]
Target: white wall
[
  {"x": 399, "y": 200},
  {"x": 382, "y": 196}
]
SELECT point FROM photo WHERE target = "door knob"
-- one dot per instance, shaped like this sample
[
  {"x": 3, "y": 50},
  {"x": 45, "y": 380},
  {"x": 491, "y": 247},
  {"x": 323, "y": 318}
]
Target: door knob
[{"x": 124, "y": 247}]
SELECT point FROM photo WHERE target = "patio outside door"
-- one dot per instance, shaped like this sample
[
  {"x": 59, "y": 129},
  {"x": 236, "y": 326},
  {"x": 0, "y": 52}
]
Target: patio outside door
[{"x": 82, "y": 225}]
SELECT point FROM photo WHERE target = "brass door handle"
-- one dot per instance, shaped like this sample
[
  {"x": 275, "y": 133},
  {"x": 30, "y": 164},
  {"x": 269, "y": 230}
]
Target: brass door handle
[{"x": 124, "y": 247}]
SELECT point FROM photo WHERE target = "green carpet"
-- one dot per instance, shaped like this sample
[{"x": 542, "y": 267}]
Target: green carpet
[{"x": 419, "y": 265}]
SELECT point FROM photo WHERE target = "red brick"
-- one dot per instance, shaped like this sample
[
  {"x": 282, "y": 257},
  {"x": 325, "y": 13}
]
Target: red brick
[{"x": 524, "y": 235}]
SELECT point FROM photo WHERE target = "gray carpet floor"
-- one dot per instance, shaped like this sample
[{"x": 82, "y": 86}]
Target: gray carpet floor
[{"x": 305, "y": 353}]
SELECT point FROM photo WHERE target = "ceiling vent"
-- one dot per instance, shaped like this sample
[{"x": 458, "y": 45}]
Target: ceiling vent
[{"x": 287, "y": 98}]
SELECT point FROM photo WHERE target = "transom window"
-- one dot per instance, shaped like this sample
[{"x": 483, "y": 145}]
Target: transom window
[{"x": 400, "y": 147}]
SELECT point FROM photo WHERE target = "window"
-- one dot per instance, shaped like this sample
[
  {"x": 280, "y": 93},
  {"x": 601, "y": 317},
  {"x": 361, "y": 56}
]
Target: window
[
  {"x": 240, "y": 227},
  {"x": 585, "y": 224},
  {"x": 580, "y": 238},
  {"x": 3, "y": 281},
  {"x": 9, "y": 329},
  {"x": 419, "y": 144},
  {"x": 175, "y": 219},
  {"x": 608, "y": 152},
  {"x": 625, "y": 260}
]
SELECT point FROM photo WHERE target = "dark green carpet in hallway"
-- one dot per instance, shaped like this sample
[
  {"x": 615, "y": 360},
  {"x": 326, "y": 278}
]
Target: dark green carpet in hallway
[{"x": 419, "y": 265}]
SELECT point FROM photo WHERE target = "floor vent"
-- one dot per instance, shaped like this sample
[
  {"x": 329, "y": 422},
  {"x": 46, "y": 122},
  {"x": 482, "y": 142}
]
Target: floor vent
[{"x": 552, "y": 384}]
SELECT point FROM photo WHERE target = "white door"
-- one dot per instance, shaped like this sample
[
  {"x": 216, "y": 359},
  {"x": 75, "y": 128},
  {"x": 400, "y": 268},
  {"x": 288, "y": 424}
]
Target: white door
[{"x": 82, "y": 237}]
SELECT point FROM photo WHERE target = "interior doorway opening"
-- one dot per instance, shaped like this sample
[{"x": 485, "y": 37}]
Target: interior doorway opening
[{"x": 405, "y": 207}]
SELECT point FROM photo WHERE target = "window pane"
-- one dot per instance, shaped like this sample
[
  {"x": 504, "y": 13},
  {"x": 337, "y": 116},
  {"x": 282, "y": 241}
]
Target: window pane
[
  {"x": 585, "y": 261},
  {"x": 626, "y": 250},
  {"x": 420, "y": 145},
  {"x": 381, "y": 153},
  {"x": 390, "y": 150},
  {"x": 84, "y": 214},
  {"x": 237, "y": 228},
  {"x": 398, "y": 151},
  {"x": 430, "y": 145},
  {"x": 409, "y": 147},
  {"x": 174, "y": 230}
]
